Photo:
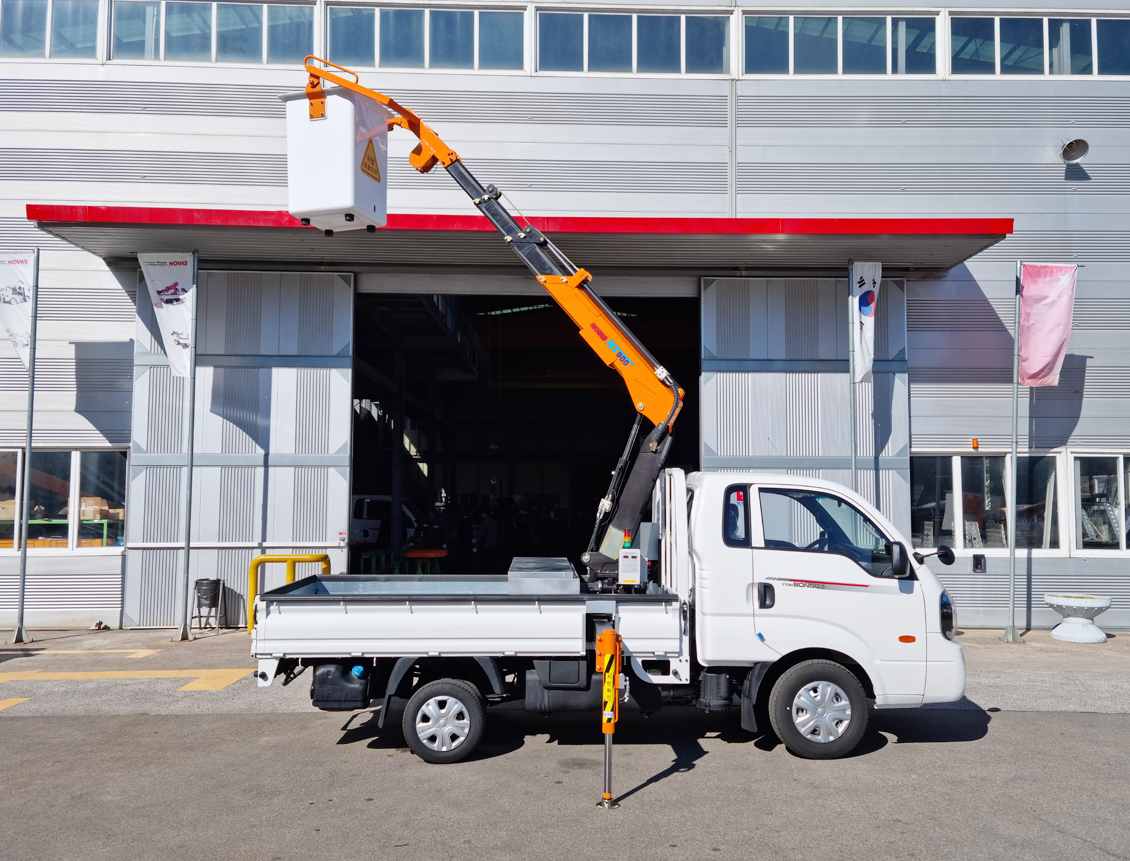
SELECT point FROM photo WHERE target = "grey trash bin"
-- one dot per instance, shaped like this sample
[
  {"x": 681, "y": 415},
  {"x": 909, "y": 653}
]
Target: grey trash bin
[{"x": 209, "y": 603}]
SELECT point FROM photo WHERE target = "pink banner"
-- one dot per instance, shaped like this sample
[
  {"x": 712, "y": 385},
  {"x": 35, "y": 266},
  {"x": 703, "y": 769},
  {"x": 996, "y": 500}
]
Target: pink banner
[{"x": 1047, "y": 295}]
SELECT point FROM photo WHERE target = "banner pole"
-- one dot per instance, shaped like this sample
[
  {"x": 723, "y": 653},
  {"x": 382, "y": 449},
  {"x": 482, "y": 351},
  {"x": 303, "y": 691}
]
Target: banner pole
[
  {"x": 19, "y": 635},
  {"x": 1011, "y": 635},
  {"x": 851, "y": 372},
  {"x": 185, "y": 632}
]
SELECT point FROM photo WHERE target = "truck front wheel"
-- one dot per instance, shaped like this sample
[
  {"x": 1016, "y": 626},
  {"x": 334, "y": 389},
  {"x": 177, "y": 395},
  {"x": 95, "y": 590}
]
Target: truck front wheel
[
  {"x": 818, "y": 709},
  {"x": 443, "y": 721}
]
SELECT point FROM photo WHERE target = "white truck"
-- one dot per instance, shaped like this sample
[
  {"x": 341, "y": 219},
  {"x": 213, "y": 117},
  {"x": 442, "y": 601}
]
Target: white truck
[{"x": 792, "y": 596}]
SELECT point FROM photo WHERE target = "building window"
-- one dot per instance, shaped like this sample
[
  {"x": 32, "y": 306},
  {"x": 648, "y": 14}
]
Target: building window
[
  {"x": 983, "y": 501},
  {"x": 973, "y": 46},
  {"x": 1099, "y": 516},
  {"x": 914, "y": 46},
  {"x": 932, "y": 505},
  {"x": 65, "y": 513},
  {"x": 656, "y": 44},
  {"x": 244, "y": 32},
  {"x": 72, "y": 25},
  {"x": 1037, "y": 513},
  {"x": 48, "y": 522},
  {"x": 865, "y": 46},
  {"x": 835, "y": 45},
  {"x": 9, "y": 469},
  {"x": 1069, "y": 46},
  {"x": 424, "y": 38},
  {"x": 137, "y": 32},
  {"x": 102, "y": 495},
  {"x": 1114, "y": 46},
  {"x": 501, "y": 40},
  {"x": 1039, "y": 46}
]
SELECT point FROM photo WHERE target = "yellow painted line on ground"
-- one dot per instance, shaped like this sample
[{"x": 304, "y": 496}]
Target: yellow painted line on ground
[
  {"x": 133, "y": 653},
  {"x": 202, "y": 680},
  {"x": 11, "y": 701}
]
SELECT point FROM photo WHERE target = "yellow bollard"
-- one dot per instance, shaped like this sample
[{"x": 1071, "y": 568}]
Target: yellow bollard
[{"x": 291, "y": 560}]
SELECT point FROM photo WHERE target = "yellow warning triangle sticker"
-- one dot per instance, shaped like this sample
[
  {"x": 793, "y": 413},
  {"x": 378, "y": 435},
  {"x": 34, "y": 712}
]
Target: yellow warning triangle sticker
[{"x": 369, "y": 165}]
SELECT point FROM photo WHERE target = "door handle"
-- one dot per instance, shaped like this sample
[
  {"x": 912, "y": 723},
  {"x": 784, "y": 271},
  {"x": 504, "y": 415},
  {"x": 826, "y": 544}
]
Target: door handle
[{"x": 766, "y": 596}]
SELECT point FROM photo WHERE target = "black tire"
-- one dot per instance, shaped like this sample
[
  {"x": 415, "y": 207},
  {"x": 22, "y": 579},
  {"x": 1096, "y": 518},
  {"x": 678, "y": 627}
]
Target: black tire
[
  {"x": 839, "y": 740},
  {"x": 454, "y": 700}
]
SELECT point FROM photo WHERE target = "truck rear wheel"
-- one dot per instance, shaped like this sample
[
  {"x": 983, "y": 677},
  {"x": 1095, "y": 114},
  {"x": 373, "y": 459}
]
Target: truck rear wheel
[
  {"x": 443, "y": 721},
  {"x": 818, "y": 709}
]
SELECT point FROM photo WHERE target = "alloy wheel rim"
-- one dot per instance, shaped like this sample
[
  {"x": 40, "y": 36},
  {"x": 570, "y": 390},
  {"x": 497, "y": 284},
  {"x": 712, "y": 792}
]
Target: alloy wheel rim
[
  {"x": 442, "y": 723},
  {"x": 821, "y": 712}
]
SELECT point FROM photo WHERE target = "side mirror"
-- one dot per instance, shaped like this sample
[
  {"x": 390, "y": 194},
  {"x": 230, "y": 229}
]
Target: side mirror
[
  {"x": 900, "y": 561},
  {"x": 945, "y": 555}
]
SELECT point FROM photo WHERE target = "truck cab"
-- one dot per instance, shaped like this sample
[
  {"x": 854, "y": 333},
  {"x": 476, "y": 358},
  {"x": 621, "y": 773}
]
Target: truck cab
[{"x": 790, "y": 569}]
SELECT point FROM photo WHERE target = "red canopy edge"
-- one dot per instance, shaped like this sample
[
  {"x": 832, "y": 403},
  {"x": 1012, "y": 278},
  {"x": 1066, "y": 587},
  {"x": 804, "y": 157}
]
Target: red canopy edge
[{"x": 79, "y": 214}]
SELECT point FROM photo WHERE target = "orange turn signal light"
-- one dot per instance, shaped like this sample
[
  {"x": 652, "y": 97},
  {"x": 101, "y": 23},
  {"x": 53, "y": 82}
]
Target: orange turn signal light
[{"x": 906, "y": 638}]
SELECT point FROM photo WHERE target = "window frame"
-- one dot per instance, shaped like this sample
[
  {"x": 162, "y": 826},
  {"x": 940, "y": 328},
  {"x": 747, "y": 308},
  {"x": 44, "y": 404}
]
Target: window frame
[
  {"x": 1063, "y": 499},
  {"x": 832, "y": 495},
  {"x": 732, "y": 65},
  {"x": 427, "y": 9},
  {"x": 1045, "y": 17},
  {"x": 100, "y": 52},
  {"x": 106, "y": 27},
  {"x": 939, "y": 16},
  {"x": 73, "y": 547},
  {"x": 1122, "y": 458},
  {"x": 726, "y": 541}
]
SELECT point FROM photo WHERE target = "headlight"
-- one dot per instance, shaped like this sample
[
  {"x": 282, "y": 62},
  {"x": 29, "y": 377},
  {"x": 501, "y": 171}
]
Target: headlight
[{"x": 949, "y": 616}]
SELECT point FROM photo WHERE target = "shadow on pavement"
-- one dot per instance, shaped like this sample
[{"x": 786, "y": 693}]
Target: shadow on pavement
[{"x": 681, "y": 728}]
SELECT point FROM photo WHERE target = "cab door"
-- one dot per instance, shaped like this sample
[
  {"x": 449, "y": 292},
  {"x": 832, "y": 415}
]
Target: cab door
[
  {"x": 822, "y": 573},
  {"x": 724, "y": 589}
]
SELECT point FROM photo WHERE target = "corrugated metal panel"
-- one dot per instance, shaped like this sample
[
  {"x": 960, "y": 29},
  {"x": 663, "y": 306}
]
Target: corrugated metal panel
[
  {"x": 164, "y": 423},
  {"x": 901, "y": 178},
  {"x": 315, "y": 334},
  {"x": 996, "y": 382},
  {"x": 159, "y": 586},
  {"x": 1092, "y": 246},
  {"x": 68, "y": 375},
  {"x": 66, "y": 437},
  {"x": 46, "y": 591},
  {"x": 19, "y": 234},
  {"x": 161, "y": 516},
  {"x": 733, "y": 318},
  {"x": 29, "y": 164},
  {"x": 312, "y": 418},
  {"x": 946, "y": 314},
  {"x": 958, "y": 440},
  {"x": 310, "y": 517},
  {"x": 803, "y": 411},
  {"x": 232, "y": 100},
  {"x": 982, "y": 599},
  {"x": 243, "y": 320},
  {"x": 802, "y": 319},
  {"x": 933, "y": 110}
]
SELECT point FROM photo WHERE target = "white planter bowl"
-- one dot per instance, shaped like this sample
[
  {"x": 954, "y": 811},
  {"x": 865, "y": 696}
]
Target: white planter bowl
[{"x": 1078, "y": 611}]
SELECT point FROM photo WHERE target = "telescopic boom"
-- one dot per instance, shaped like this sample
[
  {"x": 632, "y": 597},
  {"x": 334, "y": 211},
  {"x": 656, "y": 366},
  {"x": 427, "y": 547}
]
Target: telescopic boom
[{"x": 655, "y": 394}]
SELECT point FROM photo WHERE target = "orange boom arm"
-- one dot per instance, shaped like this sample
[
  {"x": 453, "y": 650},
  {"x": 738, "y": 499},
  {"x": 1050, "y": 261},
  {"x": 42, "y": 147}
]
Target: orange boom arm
[{"x": 655, "y": 394}]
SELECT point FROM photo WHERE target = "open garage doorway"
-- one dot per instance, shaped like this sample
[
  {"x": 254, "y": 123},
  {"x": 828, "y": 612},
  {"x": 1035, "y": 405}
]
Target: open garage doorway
[{"x": 496, "y": 425}]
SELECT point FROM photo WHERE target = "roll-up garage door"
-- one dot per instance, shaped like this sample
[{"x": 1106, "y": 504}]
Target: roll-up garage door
[
  {"x": 272, "y": 451},
  {"x": 774, "y": 386}
]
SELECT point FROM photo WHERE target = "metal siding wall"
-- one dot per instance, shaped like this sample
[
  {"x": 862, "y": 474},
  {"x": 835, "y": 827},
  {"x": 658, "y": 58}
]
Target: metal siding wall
[
  {"x": 272, "y": 438},
  {"x": 761, "y": 415}
]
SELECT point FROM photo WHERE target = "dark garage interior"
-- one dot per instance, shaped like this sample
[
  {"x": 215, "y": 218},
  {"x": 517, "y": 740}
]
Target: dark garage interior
[{"x": 491, "y": 412}]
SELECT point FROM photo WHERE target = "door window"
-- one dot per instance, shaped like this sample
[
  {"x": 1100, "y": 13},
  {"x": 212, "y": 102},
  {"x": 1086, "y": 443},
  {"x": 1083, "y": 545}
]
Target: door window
[
  {"x": 822, "y": 523},
  {"x": 735, "y": 517}
]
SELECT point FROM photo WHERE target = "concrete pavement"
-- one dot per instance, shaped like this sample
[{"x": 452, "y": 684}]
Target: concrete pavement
[{"x": 1027, "y": 767}]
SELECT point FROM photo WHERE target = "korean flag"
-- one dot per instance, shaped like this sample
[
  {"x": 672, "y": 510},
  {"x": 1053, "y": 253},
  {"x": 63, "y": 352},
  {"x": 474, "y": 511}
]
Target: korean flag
[{"x": 865, "y": 280}]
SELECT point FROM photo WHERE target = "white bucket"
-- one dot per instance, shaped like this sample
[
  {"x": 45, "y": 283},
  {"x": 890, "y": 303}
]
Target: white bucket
[{"x": 337, "y": 167}]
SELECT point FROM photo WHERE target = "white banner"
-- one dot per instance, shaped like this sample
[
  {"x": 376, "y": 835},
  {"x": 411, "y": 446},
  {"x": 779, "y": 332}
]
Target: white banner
[
  {"x": 169, "y": 278},
  {"x": 865, "y": 280},
  {"x": 16, "y": 273}
]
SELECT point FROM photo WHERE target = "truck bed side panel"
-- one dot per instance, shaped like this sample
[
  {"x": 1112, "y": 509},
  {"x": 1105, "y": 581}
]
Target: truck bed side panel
[{"x": 459, "y": 627}]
